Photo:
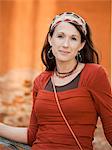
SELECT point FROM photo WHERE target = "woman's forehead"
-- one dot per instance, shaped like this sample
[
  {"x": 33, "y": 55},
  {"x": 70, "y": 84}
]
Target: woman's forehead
[{"x": 65, "y": 27}]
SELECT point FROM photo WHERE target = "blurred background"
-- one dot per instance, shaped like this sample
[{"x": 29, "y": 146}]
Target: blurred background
[{"x": 23, "y": 27}]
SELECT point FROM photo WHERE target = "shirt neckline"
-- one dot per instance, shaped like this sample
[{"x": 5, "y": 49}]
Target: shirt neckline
[{"x": 79, "y": 83}]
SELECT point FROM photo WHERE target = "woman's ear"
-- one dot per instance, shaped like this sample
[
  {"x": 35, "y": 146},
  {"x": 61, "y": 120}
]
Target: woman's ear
[
  {"x": 49, "y": 39},
  {"x": 82, "y": 45}
]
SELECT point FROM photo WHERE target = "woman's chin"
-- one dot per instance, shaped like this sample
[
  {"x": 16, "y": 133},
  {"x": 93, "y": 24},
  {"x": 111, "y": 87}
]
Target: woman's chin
[{"x": 62, "y": 59}]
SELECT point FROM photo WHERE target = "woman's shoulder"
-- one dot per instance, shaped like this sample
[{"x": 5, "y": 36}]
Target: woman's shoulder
[
  {"x": 96, "y": 77},
  {"x": 42, "y": 78},
  {"x": 43, "y": 74},
  {"x": 93, "y": 72},
  {"x": 92, "y": 68}
]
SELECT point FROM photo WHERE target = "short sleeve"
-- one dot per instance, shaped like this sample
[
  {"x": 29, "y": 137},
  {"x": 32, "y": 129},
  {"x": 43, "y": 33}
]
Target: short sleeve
[
  {"x": 101, "y": 92},
  {"x": 33, "y": 125}
]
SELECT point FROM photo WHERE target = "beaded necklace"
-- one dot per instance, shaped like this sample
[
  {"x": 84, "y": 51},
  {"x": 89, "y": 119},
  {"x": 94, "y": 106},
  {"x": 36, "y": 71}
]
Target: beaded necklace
[{"x": 65, "y": 74}]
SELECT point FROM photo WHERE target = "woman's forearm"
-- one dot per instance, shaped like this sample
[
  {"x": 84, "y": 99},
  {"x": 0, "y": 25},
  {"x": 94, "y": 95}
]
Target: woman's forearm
[{"x": 17, "y": 134}]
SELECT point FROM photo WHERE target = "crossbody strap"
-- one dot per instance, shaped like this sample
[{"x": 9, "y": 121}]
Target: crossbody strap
[{"x": 63, "y": 116}]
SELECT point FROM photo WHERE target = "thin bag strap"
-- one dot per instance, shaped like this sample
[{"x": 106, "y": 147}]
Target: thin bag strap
[{"x": 63, "y": 116}]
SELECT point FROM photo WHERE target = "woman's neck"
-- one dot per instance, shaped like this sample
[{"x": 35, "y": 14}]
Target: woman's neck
[{"x": 65, "y": 66}]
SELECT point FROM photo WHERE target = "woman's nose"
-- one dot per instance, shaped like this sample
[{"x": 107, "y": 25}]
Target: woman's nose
[{"x": 66, "y": 42}]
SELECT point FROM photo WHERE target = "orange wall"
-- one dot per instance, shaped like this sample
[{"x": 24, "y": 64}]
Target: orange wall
[{"x": 24, "y": 24}]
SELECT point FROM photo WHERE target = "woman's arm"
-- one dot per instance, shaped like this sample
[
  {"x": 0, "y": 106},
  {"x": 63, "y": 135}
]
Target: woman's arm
[
  {"x": 102, "y": 96},
  {"x": 17, "y": 134}
]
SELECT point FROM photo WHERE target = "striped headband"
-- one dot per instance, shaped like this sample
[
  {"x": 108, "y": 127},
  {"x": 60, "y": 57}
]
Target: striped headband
[{"x": 69, "y": 17}]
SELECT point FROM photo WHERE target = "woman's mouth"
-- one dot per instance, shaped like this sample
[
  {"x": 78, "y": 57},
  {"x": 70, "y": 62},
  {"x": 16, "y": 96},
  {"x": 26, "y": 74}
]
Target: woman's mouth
[{"x": 64, "y": 52}]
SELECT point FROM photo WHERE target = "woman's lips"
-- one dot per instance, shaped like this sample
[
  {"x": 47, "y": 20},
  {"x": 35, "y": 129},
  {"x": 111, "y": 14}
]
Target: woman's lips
[{"x": 64, "y": 51}]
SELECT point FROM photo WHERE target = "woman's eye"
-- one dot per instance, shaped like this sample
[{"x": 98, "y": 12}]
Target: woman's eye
[
  {"x": 73, "y": 38},
  {"x": 60, "y": 36}
]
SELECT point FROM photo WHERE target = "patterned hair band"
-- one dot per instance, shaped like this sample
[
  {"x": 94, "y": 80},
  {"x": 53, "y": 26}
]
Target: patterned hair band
[{"x": 69, "y": 17}]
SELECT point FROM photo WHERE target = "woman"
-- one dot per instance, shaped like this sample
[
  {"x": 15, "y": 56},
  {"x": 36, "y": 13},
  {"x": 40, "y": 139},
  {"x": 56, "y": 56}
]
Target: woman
[{"x": 70, "y": 94}]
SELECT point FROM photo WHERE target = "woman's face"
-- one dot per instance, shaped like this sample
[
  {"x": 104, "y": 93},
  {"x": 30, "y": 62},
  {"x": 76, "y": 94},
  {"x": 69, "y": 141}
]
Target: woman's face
[{"x": 65, "y": 42}]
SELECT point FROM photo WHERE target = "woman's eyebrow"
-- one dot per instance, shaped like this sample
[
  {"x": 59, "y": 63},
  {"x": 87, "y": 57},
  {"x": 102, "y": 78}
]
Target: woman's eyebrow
[{"x": 75, "y": 35}]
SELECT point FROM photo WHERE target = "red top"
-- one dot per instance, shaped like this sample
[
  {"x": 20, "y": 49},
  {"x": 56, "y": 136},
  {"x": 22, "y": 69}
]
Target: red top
[{"x": 81, "y": 106}]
